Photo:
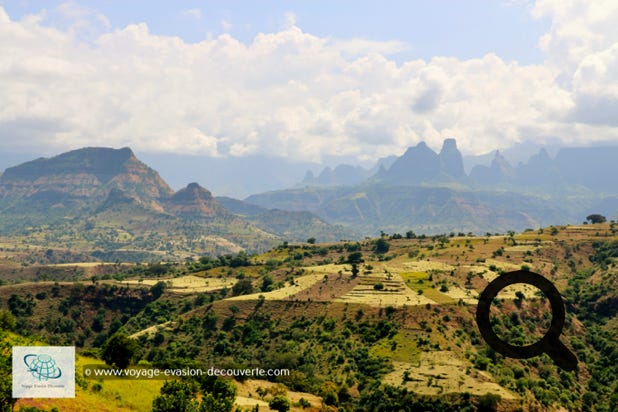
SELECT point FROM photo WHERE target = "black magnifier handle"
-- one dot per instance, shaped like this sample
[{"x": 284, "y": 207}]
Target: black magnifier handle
[{"x": 561, "y": 355}]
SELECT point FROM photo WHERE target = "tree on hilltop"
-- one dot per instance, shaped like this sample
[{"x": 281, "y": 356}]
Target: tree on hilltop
[{"x": 596, "y": 218}]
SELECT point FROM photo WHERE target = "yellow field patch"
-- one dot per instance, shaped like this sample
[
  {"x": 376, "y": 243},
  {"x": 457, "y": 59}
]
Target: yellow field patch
[
  {"x": 500, "y": 264},
  {"x": 424, "y": 266},
  {"x": 402, "y": 347},
  {"x": 188, "y": 284},
  {"x": 395, "y": 292},
  {"x": 85, "y": 264},
  {"x": 300, "y": 283},
  {"x": 469, "y": 296},
  {"x": 247, "y": 396},
  {"x": 443, "y": 372}
]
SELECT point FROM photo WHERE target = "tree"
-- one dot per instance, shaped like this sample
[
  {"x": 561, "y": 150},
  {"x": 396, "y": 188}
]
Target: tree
[
  {"x": 157, "y": 289},
  {"x": 381, "y": 246},
  {"x": 242, "y": 287},
  {"x": 267, "y": 283},
  {"x": 7, "y": 321},
  {"x": 119, "y": 350},
  {"x": 596, "y": 218},
  {"x": 410, "y": 234},
  {"x": 311, "y": 240},
  {"x": 219, "y": 394},
  {"x": 279, "y": 403},
  {"x": 175, "y": 396},
  {"x": 6, "y": 381},
  {"x": 354, "y": 270},
  {"x": 355, "y": 257},
  {"x": 489, "y": 402},
  {"x": 21, "y": 307}
]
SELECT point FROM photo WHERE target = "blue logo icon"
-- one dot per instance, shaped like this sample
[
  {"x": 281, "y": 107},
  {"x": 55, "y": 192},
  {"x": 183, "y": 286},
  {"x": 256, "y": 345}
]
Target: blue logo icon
[{"x": 43, "y": 367}]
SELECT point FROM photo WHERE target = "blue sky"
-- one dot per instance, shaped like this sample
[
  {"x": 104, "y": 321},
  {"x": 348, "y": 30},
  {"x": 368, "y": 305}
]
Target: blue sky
[
  {"x": 464, "y": 29},
  {"x": 306, "y": 80}
]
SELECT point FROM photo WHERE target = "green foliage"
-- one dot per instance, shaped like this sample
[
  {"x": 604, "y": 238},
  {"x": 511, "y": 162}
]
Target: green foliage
[
  {"x": 488, "y": 402},
  {"x": 242, "y": 287},
  {"x": 176, "y": 396},
  {"x": 7, "y": 321},
  {"x": 21, "y": 306},
  {"x": 355, "y": 257},
  {"x": 381, "y": 246},
  {"x": 604, "y": 253},
  {"x": 218, "y": 394},
  {"x": 157, "y": 289},
  {"x": 267, "y": 283},
  {"x": 119, "y": 350},
  {"x": 279, "y": 403},
  {"x": 596, "y": 218},
  {"x": 6, "y": 381},
  {"x": 390, "y": 398}
]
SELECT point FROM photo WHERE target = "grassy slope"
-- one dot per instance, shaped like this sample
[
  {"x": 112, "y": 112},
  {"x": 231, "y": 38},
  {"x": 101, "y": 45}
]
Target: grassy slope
[{"x": 437, "y": 344}]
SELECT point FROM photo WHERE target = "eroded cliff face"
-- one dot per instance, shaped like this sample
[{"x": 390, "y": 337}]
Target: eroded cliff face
[
  {"x": 84, "y": 175},
  {"x": 196, "y": 201}
]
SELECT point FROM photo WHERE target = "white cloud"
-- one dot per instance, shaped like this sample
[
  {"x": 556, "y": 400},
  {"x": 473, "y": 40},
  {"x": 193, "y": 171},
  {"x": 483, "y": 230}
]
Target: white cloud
[
  {"x": 297, "y": 95},
  {"x": 289, "y": 20},
  {"x": 194, "y": 13},
  {"x": 226, "y": 25},
  {"x": 582, "y": 46}
]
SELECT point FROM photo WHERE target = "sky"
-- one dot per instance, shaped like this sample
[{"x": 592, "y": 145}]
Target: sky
[{"x": 306, "y": 80}]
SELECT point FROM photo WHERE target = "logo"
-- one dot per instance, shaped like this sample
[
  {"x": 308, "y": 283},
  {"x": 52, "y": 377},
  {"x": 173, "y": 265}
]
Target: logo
[
  {"x": 43, "y": 367},
  {"x": 550, "y": 343},
  {"x": 43, "y": 372}
]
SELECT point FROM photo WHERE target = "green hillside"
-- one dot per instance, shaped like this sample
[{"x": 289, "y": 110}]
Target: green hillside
[{"x": 381, "y": 324}]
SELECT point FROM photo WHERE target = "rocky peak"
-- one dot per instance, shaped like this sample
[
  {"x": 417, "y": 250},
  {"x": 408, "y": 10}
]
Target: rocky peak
[
  {"x": 418, "y": 164},
  {"x": 451, "y": 159},
  {"x": 500, "y": 171},
  {"x": 538, "y": 171},
  {"x": 194, "y": 200}
]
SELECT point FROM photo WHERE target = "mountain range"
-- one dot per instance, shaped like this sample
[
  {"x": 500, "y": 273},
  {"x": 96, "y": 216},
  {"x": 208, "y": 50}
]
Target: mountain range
[
  {"x": 431, "y": 192},
  {"x": 107, "y": 201}
]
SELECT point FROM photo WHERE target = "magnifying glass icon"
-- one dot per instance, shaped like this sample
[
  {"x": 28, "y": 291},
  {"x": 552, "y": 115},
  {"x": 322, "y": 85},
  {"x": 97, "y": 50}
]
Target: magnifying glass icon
[{"x": 550, "y": 343}]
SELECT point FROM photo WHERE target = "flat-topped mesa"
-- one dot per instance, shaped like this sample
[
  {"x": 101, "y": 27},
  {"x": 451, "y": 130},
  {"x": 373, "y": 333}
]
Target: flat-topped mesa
[
  {"x": 85, "y": 173},
  {"x": 194, "y": 200}
]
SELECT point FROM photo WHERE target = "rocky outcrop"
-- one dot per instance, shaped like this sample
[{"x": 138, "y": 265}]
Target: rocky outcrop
[
  {"x": 194, "y": 201},
  {"x": 451, "y": 161},
  {"x": 89, "y": 173}
]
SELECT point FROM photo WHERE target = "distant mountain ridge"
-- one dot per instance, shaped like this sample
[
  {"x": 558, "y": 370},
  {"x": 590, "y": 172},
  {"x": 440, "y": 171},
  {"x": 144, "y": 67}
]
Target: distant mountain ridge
[
  {"x": 430, "y": 192},
  {"x": 110, "y": 200},
  {"x": 589, "y": 168}
]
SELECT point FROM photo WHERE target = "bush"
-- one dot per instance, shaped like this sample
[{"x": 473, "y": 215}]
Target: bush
[
  {"x": 381, "y": 246},
  {"x": 7, "y": 321},
  {"x": 279, "y": 403},
  {"x": 489, "y": 402},
  {"x": 119, "y": 350},
  {"x": 242, "y": 287}
]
